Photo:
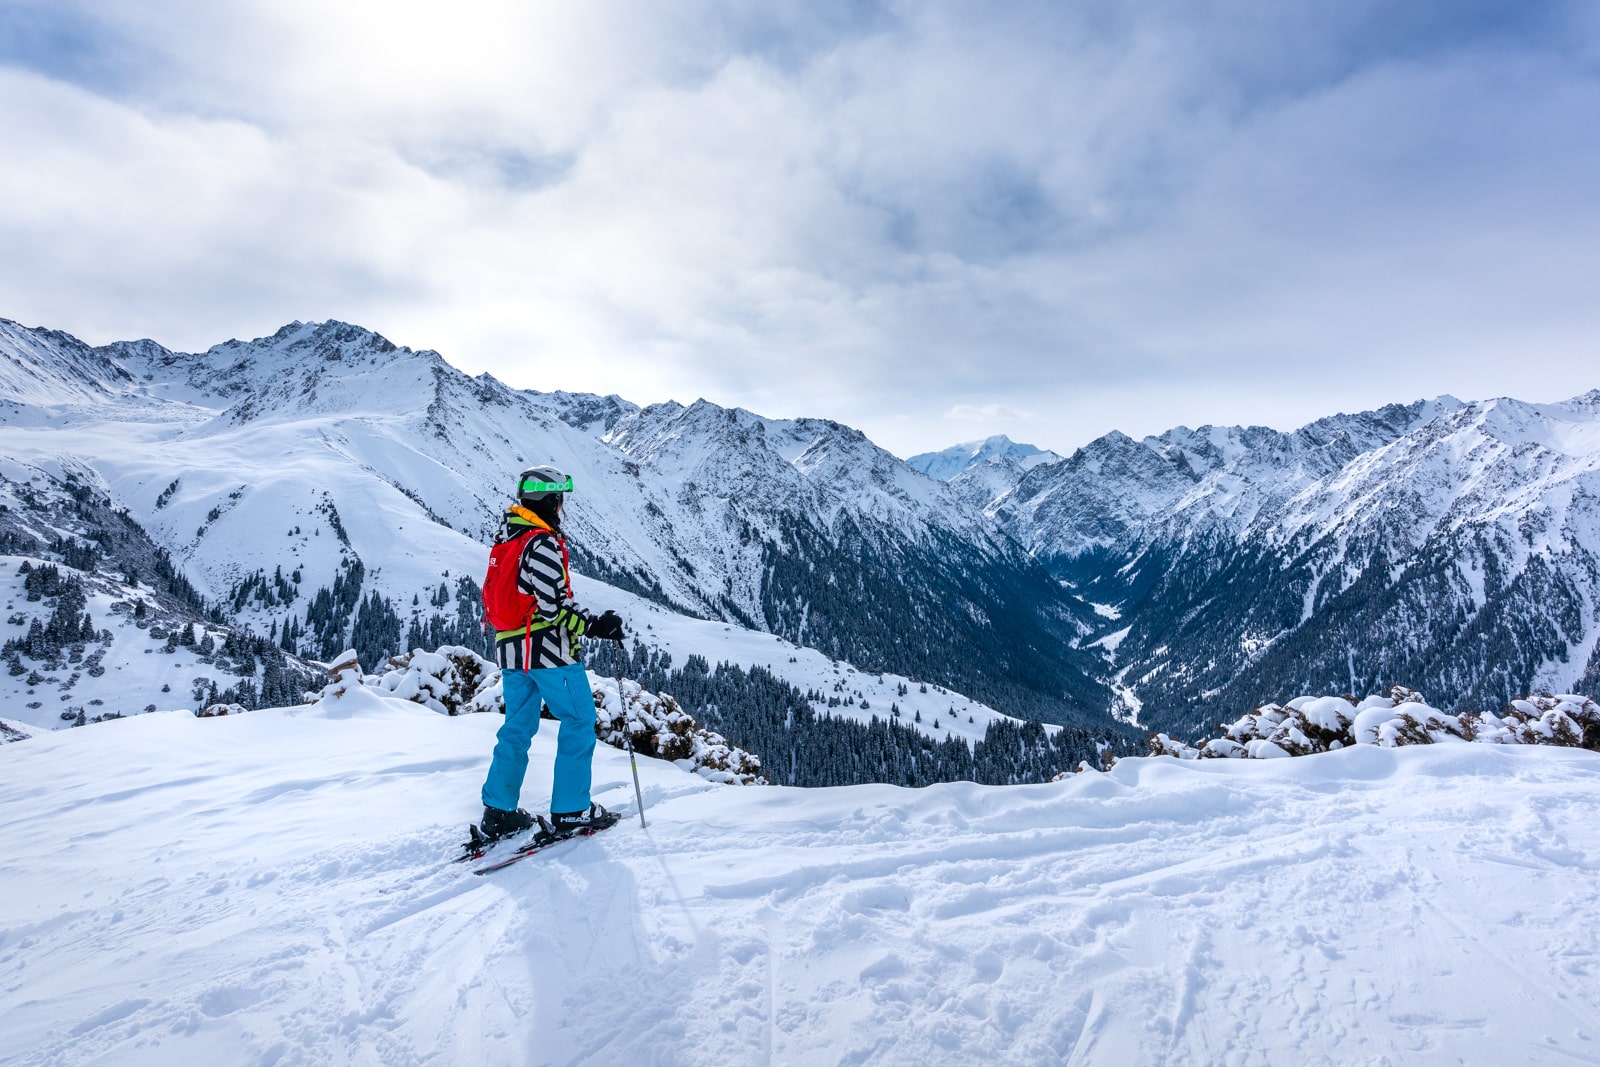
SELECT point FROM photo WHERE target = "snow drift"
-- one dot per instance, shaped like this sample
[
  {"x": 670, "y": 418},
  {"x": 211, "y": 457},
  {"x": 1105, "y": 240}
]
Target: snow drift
[{"x": 273, "y": 888}]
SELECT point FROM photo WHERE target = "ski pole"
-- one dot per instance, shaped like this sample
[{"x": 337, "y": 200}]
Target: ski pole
[
  {"x": 627, "y": 739},
  {"x": 636, "y": 791}
]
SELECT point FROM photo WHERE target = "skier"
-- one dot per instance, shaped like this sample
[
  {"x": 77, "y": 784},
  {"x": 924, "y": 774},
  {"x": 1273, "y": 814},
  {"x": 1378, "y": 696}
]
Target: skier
[{"x": 528, "y": 599}]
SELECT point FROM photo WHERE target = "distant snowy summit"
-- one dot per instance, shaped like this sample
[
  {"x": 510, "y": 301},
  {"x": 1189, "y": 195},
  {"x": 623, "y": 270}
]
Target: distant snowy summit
[
  {"x": 952, "y": 461},
  {"x": 982, "y": 473}
]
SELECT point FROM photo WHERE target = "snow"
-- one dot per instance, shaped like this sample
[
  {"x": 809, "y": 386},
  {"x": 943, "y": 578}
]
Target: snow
[
  {"x": 1130, "y": 703},
  {"x": 1124, "y": 494},
  {"x": 1479, "y": 491},
  {"x": 275, "y": 430},
  {"x": 139, "y": 671},
  {"x": 804, "y": 668},
  {"x": 1327, "y": 713},
  {"x": 271, "y": 887},
  {"x": 1111, "y": 641},
  {"x": 947, "y": 463}
]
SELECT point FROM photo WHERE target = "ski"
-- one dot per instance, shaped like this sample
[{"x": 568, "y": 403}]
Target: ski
[
  {"x": 535, "y": 838},
  {"x": 480, "y": 844},
  {"x": 539, "y": 843}
]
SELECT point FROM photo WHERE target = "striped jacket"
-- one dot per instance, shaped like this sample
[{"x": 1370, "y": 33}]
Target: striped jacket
[{"x": 558, "y": 622}]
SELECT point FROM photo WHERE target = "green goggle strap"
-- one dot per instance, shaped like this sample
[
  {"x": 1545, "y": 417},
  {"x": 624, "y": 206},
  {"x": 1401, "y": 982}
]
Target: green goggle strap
[{"x": 546, "y": 487}]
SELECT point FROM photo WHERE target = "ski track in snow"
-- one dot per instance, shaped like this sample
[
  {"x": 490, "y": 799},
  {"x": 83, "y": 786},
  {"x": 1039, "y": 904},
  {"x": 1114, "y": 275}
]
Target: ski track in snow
[{"x": 273, "y": 889}]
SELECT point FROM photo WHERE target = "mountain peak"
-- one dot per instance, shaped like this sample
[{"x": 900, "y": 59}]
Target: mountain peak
[
  {"x": 947, "y": 463},
  {"x": 52, "y": 370},
  {"x": 330, "y": 338}
]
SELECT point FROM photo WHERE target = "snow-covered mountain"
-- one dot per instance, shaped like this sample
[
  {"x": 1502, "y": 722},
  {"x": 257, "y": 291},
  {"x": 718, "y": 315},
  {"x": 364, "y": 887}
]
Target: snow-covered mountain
[
  {"x": 1445, "y": 545},
  {"x": 980, "y": 472},
  {"x": 947, "y": 463},
  {"x": 328, "y": 481},
  {"x": 1117, "y": 494},
  {"x": 326, "y": 453}
]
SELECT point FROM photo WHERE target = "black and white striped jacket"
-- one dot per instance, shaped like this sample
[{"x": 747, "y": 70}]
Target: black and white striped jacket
[{"x": 558, "y": 619}]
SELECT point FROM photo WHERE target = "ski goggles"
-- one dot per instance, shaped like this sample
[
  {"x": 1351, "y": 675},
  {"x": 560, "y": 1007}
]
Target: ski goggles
[{"x": 546, "y": 487}]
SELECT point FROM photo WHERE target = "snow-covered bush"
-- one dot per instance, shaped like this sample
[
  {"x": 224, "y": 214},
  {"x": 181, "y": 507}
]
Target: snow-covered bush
[
  {"x": 1549, "y": 720},
  {"x": 1398, "y": 717},
  {"x": 658, "y": 727},
  {"x": 212, "y": 711},
  {"x": 457, "y": 681},
  {"x": 345, "y": 670},
  {"x": 452, "y": 680},
  {"x": 1164, "y": 745},
  {"x": 1108, "y": 760}
]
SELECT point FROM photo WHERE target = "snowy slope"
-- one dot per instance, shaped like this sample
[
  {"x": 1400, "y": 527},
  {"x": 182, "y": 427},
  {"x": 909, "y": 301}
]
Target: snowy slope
[
  {"x": 96, "y": 621},
  {"x": 46, "y": 370},
  {"x": 929, "y": 708},
  {"x": 132, "y": 665},
  {"x": 136, "y": 671},
  {"x": 270, "y": 888}
]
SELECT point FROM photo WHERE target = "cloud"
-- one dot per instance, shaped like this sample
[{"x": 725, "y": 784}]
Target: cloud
[
  {"x": 1108, "y": 215},
  {"x": 984, "y": 413}
]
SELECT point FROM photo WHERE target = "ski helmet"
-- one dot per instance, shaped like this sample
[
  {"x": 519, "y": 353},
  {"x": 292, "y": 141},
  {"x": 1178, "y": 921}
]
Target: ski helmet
[{"x": 542, "y": 483}]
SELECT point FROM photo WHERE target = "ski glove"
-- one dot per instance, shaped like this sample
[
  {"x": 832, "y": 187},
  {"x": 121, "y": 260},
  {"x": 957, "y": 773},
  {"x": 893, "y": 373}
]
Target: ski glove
[{"x": 607, "y": 627}]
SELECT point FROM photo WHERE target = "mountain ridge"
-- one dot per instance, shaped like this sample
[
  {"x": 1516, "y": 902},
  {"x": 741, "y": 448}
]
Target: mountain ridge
[
  {"x": 1171, "y": 579},
  {"x": 803, "y": 528}
]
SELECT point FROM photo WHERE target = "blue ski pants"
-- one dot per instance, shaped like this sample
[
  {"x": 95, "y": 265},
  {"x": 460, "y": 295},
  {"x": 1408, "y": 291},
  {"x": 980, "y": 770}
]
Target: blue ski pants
[{"x": 566, "y": 690}]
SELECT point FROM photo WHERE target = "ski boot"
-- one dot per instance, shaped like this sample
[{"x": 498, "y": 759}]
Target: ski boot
[
  {"x": 497, "y": 823},
  {"x": 595, "y": 819}
]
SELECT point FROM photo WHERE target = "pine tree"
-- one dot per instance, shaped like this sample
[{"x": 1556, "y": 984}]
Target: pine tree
[{"x": 376, "y": 633}]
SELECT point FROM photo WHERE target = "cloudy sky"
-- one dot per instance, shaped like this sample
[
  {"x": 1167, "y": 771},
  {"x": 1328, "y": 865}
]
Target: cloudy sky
[{"x": 934, "y": 221}]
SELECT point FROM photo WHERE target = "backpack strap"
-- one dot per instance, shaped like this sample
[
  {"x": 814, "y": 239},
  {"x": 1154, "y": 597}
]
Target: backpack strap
[{"x": 566, "y": 578}]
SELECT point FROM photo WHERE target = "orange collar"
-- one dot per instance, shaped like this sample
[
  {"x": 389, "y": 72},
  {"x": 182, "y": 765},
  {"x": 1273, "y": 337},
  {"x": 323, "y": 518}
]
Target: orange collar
[{"x": 523, "y": 513}]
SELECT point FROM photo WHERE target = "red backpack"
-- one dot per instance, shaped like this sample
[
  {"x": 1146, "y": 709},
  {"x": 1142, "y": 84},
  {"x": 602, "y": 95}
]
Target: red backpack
[{"x": 504, "y": 605}]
